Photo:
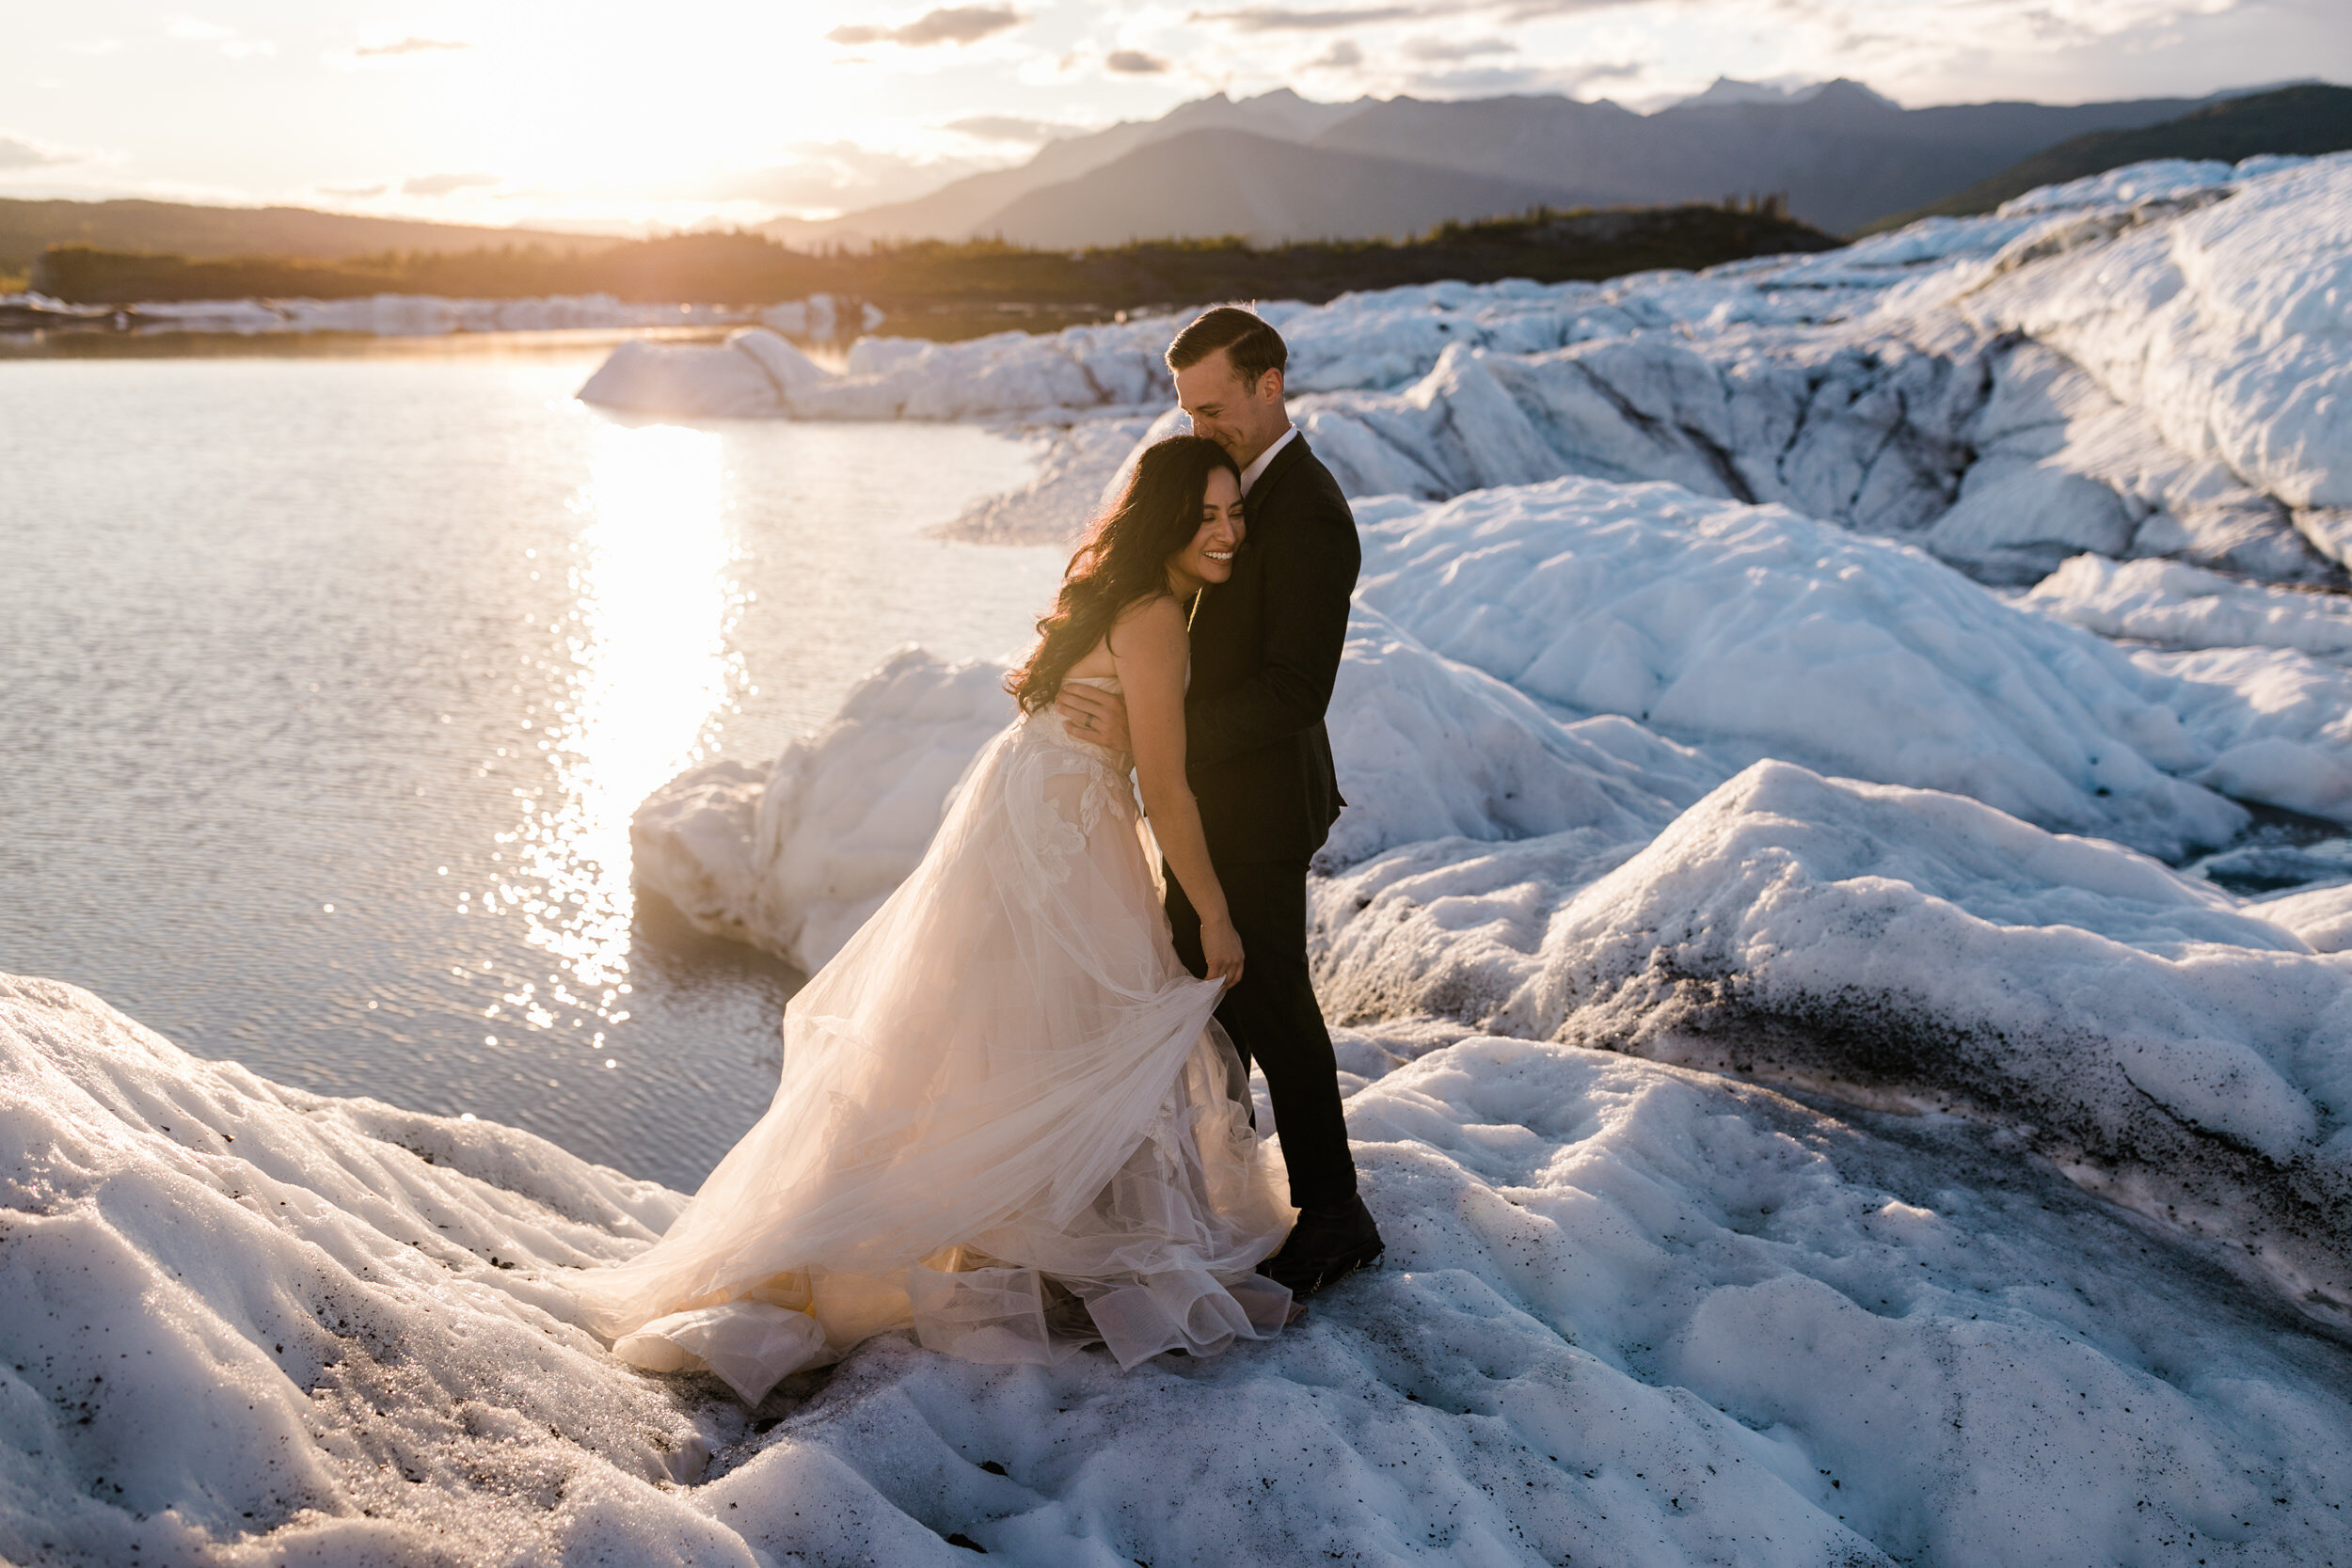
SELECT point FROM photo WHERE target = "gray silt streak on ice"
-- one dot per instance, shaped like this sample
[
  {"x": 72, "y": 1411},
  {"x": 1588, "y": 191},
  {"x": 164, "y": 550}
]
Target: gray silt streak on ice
[{"x": 1908, "y": 949}]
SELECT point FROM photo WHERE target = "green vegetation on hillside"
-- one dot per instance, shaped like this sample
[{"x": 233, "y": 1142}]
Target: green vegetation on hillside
[
  {"x": 2309, "y": 120},
  {"x": 749, "y": 269},
  {"x": 182, "y": 228}
]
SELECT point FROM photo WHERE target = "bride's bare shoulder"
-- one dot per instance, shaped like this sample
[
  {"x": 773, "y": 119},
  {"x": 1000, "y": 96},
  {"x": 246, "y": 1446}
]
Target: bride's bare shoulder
[
  {"x": 1151, "y": 631},
  {"x": 1157, "y": 612}
]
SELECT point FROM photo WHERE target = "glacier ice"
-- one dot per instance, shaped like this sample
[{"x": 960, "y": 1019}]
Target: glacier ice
[
  {"x": 1631, "y": 1313},
  {"x": 1972, "y": 384}
]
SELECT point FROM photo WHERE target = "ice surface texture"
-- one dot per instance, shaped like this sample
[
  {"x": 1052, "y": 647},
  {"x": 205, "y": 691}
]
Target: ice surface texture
[
  {"x": 1631, "y": 1314},
  {"x": 1976, "y": 383}
]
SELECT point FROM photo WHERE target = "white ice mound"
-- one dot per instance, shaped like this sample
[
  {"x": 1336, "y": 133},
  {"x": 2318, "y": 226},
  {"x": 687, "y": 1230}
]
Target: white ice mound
[
  {"x": 1916, "y": 948},
  {"x": 2178, "y": 605},
  {"x": 759, "y": 373},
  {"x": 2230, "y": 323},
  {"x": 249, "y": 1324},
  {"x": 2157, "y": 380},
  {"x": 793, "y": 856},
  {"x": 2277, "y": 721},
  {"x": 1751, "y": 631},
  {"x": 1631, "y": 1314}
]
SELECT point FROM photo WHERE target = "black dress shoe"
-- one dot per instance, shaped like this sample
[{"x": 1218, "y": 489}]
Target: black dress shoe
[{"x": 1326, "y": 1245}]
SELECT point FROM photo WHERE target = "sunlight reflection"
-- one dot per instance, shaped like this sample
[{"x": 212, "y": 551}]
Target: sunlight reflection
[{"x": 650, "y": 667}]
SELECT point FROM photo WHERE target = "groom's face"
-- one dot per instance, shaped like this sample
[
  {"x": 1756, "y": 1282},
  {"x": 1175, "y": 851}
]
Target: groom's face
[{"x": 1243, "y": 418}]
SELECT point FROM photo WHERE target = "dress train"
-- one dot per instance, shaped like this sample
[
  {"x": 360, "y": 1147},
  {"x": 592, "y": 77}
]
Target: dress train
[{"x": 1005, "y": 1077}]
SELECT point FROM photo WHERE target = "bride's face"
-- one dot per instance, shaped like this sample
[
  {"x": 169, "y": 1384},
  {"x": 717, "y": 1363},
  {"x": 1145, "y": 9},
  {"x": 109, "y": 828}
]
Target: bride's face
[{"x": 1210, "y": 556}]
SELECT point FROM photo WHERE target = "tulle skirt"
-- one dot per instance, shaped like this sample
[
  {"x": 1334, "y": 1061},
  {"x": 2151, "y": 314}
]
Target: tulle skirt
[{"x": 1005, "y": 1087}]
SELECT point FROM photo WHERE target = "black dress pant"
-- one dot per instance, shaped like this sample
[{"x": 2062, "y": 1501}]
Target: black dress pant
[{"x": 1275, "y": 1021}]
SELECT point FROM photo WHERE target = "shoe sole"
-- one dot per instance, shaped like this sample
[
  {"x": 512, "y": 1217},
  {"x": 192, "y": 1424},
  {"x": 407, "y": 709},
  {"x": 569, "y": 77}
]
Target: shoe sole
[{"x": 1362, "y": 1263}]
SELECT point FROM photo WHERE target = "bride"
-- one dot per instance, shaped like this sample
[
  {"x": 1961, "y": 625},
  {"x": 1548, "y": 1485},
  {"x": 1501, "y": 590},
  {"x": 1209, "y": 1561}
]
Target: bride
[{"x": 1007, "y": 1118}]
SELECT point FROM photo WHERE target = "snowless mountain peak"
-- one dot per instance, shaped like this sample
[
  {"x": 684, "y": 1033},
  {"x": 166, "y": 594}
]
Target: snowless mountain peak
[{"x": 1728, "y": 92}]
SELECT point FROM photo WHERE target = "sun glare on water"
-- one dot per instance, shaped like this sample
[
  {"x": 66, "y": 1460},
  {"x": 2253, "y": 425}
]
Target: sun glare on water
[{"x": 655, "y": 597}]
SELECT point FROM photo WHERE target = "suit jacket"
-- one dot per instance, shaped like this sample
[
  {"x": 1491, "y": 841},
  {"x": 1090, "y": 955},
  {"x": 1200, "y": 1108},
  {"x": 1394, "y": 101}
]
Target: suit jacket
[{"x": 1265, "y": 649}]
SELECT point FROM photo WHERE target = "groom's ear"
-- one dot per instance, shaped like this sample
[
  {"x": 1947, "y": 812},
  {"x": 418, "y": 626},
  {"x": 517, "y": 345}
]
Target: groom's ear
[{"x": 1269, "y": 386}]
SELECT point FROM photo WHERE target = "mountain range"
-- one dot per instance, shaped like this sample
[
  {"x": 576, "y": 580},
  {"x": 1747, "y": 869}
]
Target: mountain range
[{"x": 1280, "y": 167}]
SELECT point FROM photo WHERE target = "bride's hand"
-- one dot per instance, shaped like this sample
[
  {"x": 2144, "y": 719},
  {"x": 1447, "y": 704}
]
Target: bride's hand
[
  {"x": 1095, "y": 714},
  {"x": 1220, "y": 949}
]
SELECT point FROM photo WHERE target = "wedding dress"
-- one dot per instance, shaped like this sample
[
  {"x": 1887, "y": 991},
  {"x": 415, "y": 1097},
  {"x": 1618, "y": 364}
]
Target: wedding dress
[{"x": 1006, "y": 1083}]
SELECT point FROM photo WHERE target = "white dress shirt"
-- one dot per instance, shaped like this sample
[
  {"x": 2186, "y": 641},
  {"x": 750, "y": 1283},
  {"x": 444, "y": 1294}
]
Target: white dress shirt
[{"x": 1258, "y": 464}]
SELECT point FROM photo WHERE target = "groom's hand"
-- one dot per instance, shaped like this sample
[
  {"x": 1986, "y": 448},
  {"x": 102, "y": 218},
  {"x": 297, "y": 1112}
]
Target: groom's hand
[{"x": 1094, "y": 715}]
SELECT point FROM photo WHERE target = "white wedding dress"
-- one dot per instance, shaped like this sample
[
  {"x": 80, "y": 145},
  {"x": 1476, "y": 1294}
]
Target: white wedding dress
[{"x": 1006, "y": 1076}]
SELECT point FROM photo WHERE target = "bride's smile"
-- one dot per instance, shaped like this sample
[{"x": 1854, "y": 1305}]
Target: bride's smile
[{"x": 1209, "y": 558}]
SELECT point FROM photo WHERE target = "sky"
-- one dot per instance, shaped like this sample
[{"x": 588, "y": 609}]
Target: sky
[{"x": 683, "y": 112}]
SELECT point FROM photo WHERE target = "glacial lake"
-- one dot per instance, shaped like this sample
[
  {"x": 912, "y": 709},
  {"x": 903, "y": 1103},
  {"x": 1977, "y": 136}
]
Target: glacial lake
[{"x": 327, "y": 686}]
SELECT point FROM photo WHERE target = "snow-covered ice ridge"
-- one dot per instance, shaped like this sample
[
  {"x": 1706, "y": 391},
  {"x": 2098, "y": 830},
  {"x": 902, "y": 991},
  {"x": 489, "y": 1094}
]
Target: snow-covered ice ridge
[
  {"x": 1980, "y": 385},
  {"x": 1633, "y": 1314},
  {"x": 431, "y": 315}
]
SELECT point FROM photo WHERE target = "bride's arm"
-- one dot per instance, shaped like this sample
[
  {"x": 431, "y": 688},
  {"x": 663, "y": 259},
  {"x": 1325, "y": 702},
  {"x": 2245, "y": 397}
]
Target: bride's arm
[{"x": 1149, "y": 649}]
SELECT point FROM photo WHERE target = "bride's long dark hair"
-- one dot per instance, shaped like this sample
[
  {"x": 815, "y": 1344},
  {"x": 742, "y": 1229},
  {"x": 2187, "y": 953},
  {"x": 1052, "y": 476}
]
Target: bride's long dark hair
[{"x": 1123, "y": 558}]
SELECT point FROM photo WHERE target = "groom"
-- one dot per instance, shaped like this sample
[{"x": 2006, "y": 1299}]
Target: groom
[{"x": 1265, "y": 649}]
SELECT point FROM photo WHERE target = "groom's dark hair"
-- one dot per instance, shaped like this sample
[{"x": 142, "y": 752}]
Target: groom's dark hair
[{"x": 1254, "y": 347}]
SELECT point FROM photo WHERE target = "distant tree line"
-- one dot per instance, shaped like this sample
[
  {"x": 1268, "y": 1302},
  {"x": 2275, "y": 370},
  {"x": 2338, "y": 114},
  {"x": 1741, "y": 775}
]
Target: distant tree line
[{"x": 738, "y": 268}]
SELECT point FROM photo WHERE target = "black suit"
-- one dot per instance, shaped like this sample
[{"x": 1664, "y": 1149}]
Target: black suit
[{"x": 1266, "y": 650}]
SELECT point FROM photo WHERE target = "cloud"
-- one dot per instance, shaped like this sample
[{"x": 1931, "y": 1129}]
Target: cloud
[
  {"x": 24, "y": 152},
  {"x": 1580, "y": 75},
  {"x": 1447, "y": 49},
  {"x": 444, "y": 184},
  {"x": 1273, "y": 18},
  {"x": 192, "y": 29},
  {"x": 1134, "y": 62},
  {"x": 1285, "y": 19},
  {"x": 1344, "y": 55},
  {"x": 1011, "y": 128},
  {"x": 948, "y": 25},
  {"x": 411, "y": 46},
  {"x": 353, "y": 191}
]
